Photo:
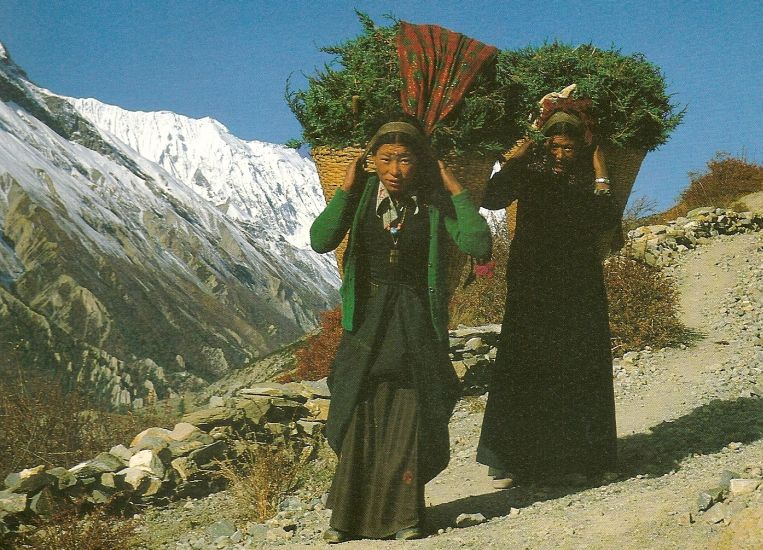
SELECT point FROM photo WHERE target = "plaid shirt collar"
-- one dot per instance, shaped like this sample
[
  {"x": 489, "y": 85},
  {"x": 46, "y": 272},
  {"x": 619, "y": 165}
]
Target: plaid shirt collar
[{"x": 386, "y": 208}]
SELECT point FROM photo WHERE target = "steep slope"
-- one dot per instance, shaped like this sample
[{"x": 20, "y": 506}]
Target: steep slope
[{"x": 125, "y": 259}]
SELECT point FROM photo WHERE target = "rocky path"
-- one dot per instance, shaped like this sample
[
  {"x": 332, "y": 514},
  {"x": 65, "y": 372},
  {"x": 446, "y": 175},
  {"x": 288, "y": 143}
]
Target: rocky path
[{"x": 688, "y": 420}]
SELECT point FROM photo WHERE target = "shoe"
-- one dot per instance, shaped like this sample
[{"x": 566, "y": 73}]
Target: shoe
[
  {"x": 335, "y": 536},
  {"x": 410, "y": 533},
  {"x": 503, "y": 480}
]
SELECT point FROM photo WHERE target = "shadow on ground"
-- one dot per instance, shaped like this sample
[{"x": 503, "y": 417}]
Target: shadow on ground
[{"x": 706, "y": 430}]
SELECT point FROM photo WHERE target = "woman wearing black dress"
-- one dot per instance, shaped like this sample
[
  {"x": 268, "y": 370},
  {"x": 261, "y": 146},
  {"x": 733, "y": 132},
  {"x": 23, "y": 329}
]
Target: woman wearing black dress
[{"x": 550, "y": 412}]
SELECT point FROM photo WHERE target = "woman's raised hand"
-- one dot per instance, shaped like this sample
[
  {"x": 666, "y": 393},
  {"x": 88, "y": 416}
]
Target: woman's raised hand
[
  {"x": 449, "y": 180},
  {"x": 354, "y": 173}
]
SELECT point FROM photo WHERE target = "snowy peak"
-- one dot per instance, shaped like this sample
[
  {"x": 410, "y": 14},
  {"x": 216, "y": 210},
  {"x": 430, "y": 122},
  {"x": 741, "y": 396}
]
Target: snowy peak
[{"x": 268, "y": 186}]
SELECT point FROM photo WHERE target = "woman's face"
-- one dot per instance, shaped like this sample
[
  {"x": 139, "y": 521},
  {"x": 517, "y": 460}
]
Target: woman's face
[
  {"x": 563, "y": 150},
  {"x": 396, "y": 167}
]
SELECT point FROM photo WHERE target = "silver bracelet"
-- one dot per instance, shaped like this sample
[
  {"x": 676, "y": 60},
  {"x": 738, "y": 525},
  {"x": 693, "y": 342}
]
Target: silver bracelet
[{"x": 601, "y": 180}]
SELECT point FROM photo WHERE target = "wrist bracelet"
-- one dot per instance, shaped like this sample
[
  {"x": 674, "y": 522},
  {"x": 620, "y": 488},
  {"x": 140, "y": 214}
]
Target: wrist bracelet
[
  {"x": 601, "y": 180},
  {"x": 602, "y": 192}
]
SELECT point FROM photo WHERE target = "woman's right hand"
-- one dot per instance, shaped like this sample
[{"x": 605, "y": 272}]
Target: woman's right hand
[
  {"x": 354, "y": 173},
  {"x": 520, "y": 149}
]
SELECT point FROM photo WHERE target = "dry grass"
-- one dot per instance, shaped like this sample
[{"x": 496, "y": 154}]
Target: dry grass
[
  {"x": 259, "y": 478},
  {"x": 643, "y": 306},
  {"x": 483, "y": 301},
  {"x": 44, "y": 422},
  {"x": 726, "y": 179},
  {"x": 67, "y": 530}
]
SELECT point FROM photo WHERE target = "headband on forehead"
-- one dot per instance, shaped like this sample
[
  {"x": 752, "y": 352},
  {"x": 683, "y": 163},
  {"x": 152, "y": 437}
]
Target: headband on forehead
[
  {"x": 416, "y": 135},
  {"x": 561, "y": 116}
]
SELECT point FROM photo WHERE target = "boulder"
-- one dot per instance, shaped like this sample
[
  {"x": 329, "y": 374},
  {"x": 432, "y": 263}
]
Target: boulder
[
  {"x": 319, "y": 409},
  {"x": 148, "y": 461},
  {"x": 104, "y": 462},
  {"x": 28, "y": 480}
]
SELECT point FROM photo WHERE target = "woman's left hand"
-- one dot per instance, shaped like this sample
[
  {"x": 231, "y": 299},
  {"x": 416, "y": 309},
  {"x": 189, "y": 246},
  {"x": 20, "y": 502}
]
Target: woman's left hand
[{"x": 449, "y": 180}]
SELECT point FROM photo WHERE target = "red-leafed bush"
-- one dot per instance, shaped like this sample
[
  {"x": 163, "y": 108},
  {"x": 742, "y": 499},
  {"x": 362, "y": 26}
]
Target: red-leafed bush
[{"x": 314, "y": 357}]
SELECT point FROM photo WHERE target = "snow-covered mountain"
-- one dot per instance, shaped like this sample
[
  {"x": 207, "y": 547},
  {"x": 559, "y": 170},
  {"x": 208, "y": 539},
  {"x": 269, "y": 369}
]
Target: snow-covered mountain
[
  {"x": 270, "y": 186},
  {"x": 152, "y": 251}
]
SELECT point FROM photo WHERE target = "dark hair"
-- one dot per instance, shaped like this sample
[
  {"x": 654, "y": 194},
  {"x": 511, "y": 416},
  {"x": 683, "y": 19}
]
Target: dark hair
[{"x": 565, "y": 129}]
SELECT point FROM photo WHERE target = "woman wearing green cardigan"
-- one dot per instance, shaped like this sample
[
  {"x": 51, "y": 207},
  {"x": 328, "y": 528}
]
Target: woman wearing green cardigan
[{"x": 393, "y": 387}]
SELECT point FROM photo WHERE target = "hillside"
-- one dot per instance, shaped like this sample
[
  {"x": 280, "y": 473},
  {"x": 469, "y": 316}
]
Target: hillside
[
  {"x": 689, "y": 419},
  {"x": 117, "y": 271}
]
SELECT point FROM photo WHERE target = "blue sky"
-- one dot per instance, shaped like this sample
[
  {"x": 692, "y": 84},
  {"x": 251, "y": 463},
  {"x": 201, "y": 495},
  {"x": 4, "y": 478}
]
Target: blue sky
[{"x": 230, "y": 60}]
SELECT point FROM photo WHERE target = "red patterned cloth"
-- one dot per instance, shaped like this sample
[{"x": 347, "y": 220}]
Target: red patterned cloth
[{"x": 437, "y": 66}]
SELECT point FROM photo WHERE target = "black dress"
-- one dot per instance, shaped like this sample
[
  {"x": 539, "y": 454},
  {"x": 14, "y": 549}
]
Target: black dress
[
  {"x": 550, "y": 408},
  {"x": 393, "y": 389}
]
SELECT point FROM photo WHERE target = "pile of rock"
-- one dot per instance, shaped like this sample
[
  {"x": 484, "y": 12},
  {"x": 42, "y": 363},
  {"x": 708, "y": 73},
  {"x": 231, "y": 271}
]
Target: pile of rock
[
  {"x": 657, "y": 245},
  {"x": 734, "y": 494},
  {"x": 472, "y": 350},
  {"x": 163, "y": 465}
]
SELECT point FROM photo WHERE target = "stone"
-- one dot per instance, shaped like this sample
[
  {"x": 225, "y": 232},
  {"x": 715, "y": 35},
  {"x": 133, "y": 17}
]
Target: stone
[
  {"x": 743, "y": 486},
  {"x": 255, "y": 408},
  {"x": 685, "y": 519},
  {"x": 104, "y": 462},
  {"x": 310, "y": 428},
  {"x": 468, "y": 520},
  {"x": 183, "y": 431},
  {"x": 318, "y": 388},
  {"x": 213, "y": 417},
  {"x": 474, "y": 343},
  {"x": 148, "y": 461},
  {"x": 62, "y": 478},
  {"x": 716, "y": 514},
  {"x": 704, "y": 501},
  {"x": 319, "y": 409},
  {"x": 182, "y": 448},
  {"x": 216, "y": 401},
  {"x": 274, "y": 389},
  {"x": 185, "y": 467},
  {"x": 211, "y": 452},
  {"x": 133, "y": 477},
  {"x": 109, "y": 480},
  {"x": 28, "y": 480},
  {"x": 725, "y": 478},
  {"x": 12, "y": 503},
  {"x": 160, "y": 433},
  {"x": 257, "y": 531},
  {"x": 151, "y": 487},
  {"x": 151, "y": 442},
  {"x": 122, "y": 453},
  {"x": 278, "y": 534}
]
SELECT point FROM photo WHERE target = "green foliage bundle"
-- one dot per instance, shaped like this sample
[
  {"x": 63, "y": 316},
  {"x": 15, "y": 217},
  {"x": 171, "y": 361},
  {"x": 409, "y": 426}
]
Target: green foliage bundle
[
  {"x": 369, "y": 77},
  {"x": 628, "y": 93},
  {"x": 643, "y": 306}
]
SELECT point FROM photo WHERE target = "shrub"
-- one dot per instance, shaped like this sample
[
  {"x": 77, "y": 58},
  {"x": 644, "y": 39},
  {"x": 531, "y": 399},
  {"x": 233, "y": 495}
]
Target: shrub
[
  {"x": 483, "y": 301},
  {"x": 259, "y": 479},
  {"x": 630, "y": 102},
  {"x": 726, "y": 180},
  {"x": 643, "y": 306},
  {"x": 67, "y": 530},
  {"x": 41, "y": 422},
  {"x": 315, "y": 356},
  {"x": 345, "y": 106}
]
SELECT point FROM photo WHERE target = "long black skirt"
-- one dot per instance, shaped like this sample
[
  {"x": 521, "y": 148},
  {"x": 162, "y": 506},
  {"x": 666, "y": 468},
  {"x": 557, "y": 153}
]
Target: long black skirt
[
  {"x": 551, "y": 407},
  {"x": 393, "y": 390}
]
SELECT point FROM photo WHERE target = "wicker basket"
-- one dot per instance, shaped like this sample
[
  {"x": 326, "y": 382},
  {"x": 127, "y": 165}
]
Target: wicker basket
[
  {"x": 622, "y": 165},
  {"x": 472, "y": 171}
]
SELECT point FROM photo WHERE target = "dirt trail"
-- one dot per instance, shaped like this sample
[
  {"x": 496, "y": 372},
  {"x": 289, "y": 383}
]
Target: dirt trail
[{"x": 647, "y": 506}]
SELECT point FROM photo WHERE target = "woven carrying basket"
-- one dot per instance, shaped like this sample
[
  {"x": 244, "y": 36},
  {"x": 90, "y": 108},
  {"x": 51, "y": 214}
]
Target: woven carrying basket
[
  {"x": 623, "y": 165},
  {"x": 472, "y": 171}
]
